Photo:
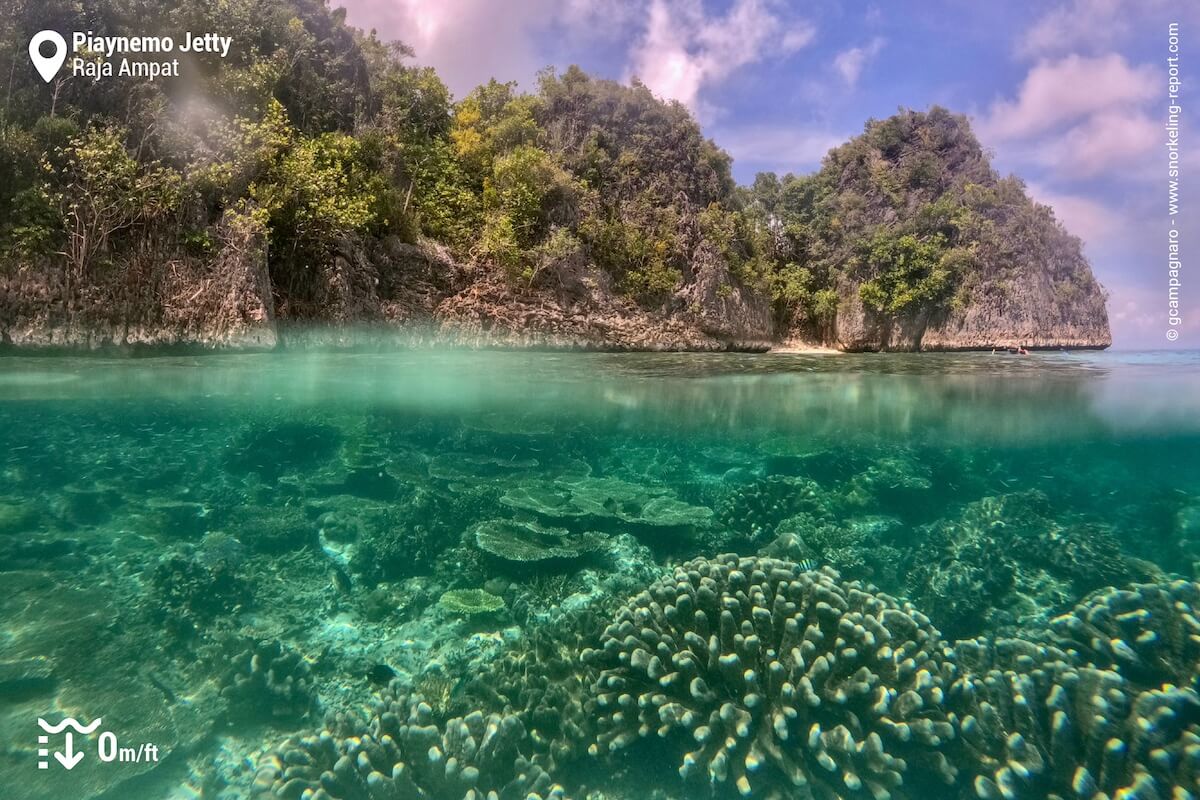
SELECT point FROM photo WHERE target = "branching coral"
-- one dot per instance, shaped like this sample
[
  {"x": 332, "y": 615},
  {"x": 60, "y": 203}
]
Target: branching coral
[
  {"x": 402, "y": 540},
  {"x": 893, "y": 482},
  {"x": 270, "y": 681},
  {"x": 191, "y": 586},
  {"x": 860, "y": 546},
  {"x": 763, "y": 667},
  {"x": 755, "y": 510},
  {"x": 402, "y": 753},
  {"x": 1005, "y": 561},
  {"x": 546, "y": 683},
  {"x": 1149, "y": 633},
  {"x": 1038, "y": 726}
]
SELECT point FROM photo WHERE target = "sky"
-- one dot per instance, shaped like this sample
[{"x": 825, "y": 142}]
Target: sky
[{"x": 1070, "y": 95}]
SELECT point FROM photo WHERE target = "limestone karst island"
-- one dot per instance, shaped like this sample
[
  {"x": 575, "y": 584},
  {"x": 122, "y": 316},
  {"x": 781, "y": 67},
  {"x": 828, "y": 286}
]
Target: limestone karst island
[{"x": 255, "y": 200}]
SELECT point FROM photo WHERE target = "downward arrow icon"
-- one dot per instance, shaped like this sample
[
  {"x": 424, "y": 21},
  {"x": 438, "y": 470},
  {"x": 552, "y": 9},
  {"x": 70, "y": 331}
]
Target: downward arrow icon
[{"x": 70, "y": 758}]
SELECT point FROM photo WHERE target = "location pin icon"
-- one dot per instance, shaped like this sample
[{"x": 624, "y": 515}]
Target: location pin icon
[{"x": 48, "y": 66}]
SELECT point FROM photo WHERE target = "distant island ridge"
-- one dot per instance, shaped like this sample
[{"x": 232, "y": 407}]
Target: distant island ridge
[{"x": 262, "y": 207}]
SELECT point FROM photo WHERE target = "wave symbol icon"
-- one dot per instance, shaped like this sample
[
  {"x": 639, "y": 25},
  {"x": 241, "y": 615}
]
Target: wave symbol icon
[{"x": 69, "y": 722}]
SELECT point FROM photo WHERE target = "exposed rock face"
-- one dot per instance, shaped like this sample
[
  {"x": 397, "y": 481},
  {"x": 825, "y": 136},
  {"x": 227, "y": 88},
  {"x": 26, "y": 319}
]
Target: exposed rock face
[
  {"x": 374, "y": 289},
  {"x": 720, "y": 307},
  {"x": 1032, "y": 315},
  {"x": 857, "y": 328},
  {"x": 586, "y": 314},
  {"x": 1035, "y": 308},
  {"x": 161, "y": 299},
  {"x": 983, "y": 264},
  {"x": 423, "y": 291}
]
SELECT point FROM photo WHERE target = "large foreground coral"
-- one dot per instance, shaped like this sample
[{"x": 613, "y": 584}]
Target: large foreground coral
[
  {"x": 402, "y": 753},
  {"x": 776, "y": 681},
  {"x": 1037, "y": 725},
  {"x": 758, "y": 677},
  {"x": 1148, "y": 632}
]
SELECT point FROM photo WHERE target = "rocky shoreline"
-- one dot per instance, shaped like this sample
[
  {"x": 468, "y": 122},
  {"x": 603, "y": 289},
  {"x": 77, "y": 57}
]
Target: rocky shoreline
[
  {"x": 456, "y": 306},
  {"x": 144, "y": 342}
]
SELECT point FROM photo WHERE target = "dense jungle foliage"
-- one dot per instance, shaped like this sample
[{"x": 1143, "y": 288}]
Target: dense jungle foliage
[{"x": 315, "y": 134}]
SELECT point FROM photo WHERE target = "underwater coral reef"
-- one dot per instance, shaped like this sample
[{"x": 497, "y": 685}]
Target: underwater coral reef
[
  {"x": 355, "y": 599},
  {"x": 758, "y": 677}
]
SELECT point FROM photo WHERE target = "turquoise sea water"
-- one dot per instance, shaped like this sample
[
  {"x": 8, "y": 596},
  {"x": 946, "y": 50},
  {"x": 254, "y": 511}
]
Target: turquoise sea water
[{"x": 211, "y": 554}]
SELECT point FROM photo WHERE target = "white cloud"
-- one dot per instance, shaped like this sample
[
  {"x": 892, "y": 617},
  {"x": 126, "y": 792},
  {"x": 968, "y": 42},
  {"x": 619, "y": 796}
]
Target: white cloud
[
  {"x": 467, "y": 41},
  {"x": 677, "y": 47},
  {"x": 850, "y": 63},
  {"x": 1096, "y": 26},
  {"x": 1102, "y": 142},
  {"x": 1078, "y": 116},
  {"x": 1090, "y": 220},
  {"x": 1079, "y": 23},
  {"x": 1056, "y": 92},
  {"x": 684, "y": 49},
  {"x": 800, "y": 36}
]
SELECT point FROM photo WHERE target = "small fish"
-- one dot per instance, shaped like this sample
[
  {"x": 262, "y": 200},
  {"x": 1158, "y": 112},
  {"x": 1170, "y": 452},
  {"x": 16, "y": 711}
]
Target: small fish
[
  {"x": 808, "y": 564},
  {"x": 381, "y": 674},
  {"x": 162, "y": 687},
  {"x": 341, "y": 579}
]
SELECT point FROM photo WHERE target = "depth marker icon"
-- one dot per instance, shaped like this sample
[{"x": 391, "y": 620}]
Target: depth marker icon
[{"x": 70, "y": 756}]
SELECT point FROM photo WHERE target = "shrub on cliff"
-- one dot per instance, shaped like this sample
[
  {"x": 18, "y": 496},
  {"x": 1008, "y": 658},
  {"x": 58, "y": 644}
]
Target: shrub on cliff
[
  {"x": 908, "y": 272},
  {"x": 651, "y": 175}
]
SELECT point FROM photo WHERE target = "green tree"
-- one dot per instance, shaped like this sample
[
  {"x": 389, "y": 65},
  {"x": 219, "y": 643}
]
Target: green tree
[
  {"x": 315, "y": 192},
  {"x": 526, "y": 194},
  {"x": 908, "y": 273},
  {"x": 107, "y": 193},
  {"x": 491, "y": 121}
]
